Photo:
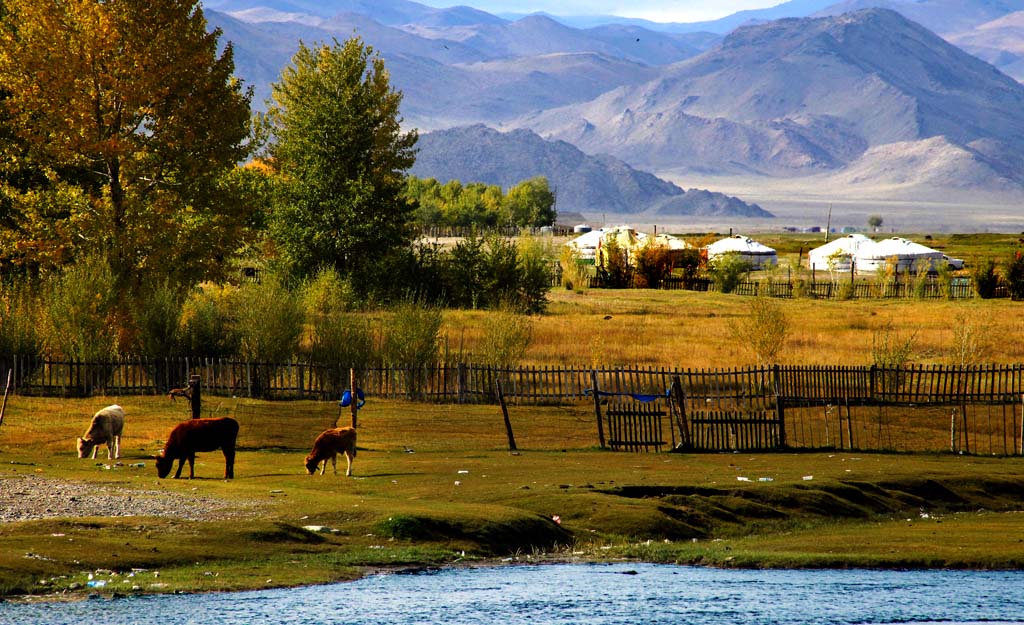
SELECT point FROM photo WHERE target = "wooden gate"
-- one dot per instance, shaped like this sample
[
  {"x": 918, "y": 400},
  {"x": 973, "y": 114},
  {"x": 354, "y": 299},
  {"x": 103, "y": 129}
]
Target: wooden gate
[
  {"x": 635, "y": 426},
  {"x": 735, "y": 431}
]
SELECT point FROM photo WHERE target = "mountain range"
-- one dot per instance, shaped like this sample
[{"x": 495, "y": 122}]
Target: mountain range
[
  {"x": 580, "y": 182},
  {"x": 908, "y": 98}
]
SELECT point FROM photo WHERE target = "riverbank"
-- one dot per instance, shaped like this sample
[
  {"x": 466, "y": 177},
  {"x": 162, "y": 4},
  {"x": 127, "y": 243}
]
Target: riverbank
[{"x": 435, "y": 486}]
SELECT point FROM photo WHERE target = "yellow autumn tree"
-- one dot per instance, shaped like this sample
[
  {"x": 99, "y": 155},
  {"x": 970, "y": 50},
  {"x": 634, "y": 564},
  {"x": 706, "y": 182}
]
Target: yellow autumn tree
[{"x": 118, "y": 122}]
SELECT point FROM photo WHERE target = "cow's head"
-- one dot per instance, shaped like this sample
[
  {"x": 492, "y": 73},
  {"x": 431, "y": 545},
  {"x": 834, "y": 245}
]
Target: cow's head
[
  {"x": 85, "y": 447},
  {"x": 163, "y": 465},
  {"x": 311, "y": 464}
]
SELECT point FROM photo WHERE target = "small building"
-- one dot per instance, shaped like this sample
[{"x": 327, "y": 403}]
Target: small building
[
  {"x": 755, "y": 254},
  {"x": 906, "y": 256},
  {"x": 837, "y": 254}
]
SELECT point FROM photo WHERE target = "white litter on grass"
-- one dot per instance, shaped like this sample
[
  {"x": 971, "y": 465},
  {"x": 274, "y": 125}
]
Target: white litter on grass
[
  {"x": 808, "y": 478},
  {"x": 740, "y": 478},
  {"x": 766, "y": 479},
  {"x": 463, "y": 471}
]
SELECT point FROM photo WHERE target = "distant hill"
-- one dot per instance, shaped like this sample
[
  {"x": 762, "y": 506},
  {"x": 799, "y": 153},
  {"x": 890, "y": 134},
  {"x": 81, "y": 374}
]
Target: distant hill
[
  {"x": 582, "y": 183},
  {"x": 799, "y": 96}
]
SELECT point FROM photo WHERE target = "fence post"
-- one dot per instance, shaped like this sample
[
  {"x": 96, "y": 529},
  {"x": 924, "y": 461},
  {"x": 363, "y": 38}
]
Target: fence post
[
  {"x": 780, "y": 410},
  {"x": 195, "y": 402},
  {"x": 504, "y": 412},
  {"x": 354, "y": 405},
  {"x": 597, "y": 407},
  {"x": 679, "y": 400},
  {"x": 462, "y": 383}
]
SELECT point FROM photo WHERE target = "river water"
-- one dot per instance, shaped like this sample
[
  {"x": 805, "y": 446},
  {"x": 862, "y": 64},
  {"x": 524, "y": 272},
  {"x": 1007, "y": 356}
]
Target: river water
[{"x": 624, "y": 594}]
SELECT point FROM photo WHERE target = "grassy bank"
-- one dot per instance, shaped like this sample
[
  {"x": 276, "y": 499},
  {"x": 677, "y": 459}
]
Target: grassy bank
[{"x": 435, "y": 485}]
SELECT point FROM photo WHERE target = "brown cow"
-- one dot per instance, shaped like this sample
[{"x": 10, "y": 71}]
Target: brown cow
[
  {"x": 106, "y": 427},
  {"x": 328, "y": 445},
  {"x": 195, "y": 435}
]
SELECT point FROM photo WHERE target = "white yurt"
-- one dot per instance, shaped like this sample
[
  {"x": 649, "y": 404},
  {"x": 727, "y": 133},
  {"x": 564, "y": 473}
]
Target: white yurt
[
  {"x": 839, "y": 252},
  {"x": 588, "y": 243},
  {"x": 906, "y": 254},
  {"x": 757, "y": 255}
]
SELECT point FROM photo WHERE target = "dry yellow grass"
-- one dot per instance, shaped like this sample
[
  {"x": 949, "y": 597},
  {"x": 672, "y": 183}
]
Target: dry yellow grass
[{"x": 690, "y": 329}]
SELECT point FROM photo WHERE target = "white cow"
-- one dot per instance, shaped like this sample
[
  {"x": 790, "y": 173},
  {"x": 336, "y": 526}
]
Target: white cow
[{"x": 106, "y": 427}]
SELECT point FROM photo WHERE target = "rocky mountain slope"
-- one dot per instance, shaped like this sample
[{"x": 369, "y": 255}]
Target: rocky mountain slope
[
  {"x": 582, "y": 183},
  {"x": 800, "y": 96}
]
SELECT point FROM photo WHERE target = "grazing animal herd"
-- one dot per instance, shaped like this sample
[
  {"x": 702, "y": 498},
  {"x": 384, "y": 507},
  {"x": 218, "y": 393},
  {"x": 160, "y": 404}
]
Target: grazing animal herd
[{"x": 195, "y": 435}]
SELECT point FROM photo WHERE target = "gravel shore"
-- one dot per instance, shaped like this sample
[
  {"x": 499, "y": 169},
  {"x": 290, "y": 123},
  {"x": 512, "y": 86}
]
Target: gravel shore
[{"x": 27, "y": 497}]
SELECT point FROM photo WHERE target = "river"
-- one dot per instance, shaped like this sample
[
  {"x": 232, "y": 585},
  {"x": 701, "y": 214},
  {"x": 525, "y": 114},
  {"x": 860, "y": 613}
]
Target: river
[{"x": 625, "y": 594}]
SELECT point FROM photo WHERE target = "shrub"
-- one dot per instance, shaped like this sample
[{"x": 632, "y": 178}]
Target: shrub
[
  {"x": 613, "y": 265},
  {"x": 944, "y": 279},
  {"x": 207, "y": 323},
  {"x": 157, "y": 313},
  {"x": 764, "y": 330},
  {"x": 19, "y": 332},
  {"x": 653, "y": 265},
  {"x": 727, "y": 270},
  {"x": 506, "y": 337},
  {"x": 574, "y": 274},
  {"x": 973, "y": 337},
  {"x": 920, "y": 281},
  {"x": 534, "y": 277},
  {"x": 269, "y": 321},
  {"x": 410, "y": 340},
  {"x": 338, "y": 339},
  {"x": 985, "y": 279},
  {"x": 1014, "y": 275},
  {"x": 81, "y": 312}
]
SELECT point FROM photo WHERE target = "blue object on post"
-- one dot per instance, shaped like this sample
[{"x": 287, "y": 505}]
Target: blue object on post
[{"x": 346, "y": 398}]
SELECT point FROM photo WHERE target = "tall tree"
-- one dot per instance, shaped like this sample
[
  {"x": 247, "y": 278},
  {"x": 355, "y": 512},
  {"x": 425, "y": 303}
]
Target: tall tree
[
  {"x": 337, "y": 141},
  {"x": 132, "y": 116}
]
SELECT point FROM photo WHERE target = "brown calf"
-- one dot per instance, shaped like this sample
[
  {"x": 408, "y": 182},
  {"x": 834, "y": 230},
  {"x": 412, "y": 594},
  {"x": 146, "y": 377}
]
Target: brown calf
[
  {"x": 195, "y": 435},
  {"x": 328, "y": 445}
]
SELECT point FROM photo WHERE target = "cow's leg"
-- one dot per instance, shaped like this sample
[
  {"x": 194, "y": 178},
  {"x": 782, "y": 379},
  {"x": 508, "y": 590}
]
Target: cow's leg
[
  {"x": 95, "y": 448},
  {"x": 191, "y": 466},
  {"x": 348, "y": 458},
  {"x": 117, "y": 446},
  {"x": 181, "y": 464},
  {"x": 334, "y": 463},
  {"x": 323, "y": 467},
  {"x": 229, "y": 462}
]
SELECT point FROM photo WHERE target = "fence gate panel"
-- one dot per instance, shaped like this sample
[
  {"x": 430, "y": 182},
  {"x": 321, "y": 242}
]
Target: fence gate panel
[
  {"x": 726, "y": 430},
  {"x": 635, "y": 426}
]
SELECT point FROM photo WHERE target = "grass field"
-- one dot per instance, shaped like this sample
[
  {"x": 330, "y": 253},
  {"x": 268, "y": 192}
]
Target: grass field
[
  {"x": 436, "y": 485},
  {"x": 604, "y": 327}
]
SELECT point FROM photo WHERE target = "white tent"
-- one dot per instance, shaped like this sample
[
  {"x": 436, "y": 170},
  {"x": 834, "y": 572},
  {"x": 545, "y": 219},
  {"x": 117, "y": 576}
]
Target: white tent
[
  {"x": 587, "y": 244},
  {"x": 907, "y": 255},
  {"x": 838, "y": 254},
  {"x": 757, "y": 255}
]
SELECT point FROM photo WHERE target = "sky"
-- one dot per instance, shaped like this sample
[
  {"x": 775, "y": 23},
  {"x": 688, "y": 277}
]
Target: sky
[{"x": 654, "y": 10}]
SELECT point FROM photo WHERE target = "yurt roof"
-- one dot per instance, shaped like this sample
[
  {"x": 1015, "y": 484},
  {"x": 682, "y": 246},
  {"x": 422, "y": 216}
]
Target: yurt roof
[
  {"x": 671, "y": 242},
  {"x": 844, "y": 245},
  {"x": 739, "y": 243},
  {"x": 896, "y": 246},
  {"x": 624, "y": 235}
]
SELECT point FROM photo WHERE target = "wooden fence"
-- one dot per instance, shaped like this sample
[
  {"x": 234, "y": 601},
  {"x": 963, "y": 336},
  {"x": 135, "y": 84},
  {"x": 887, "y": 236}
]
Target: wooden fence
[{"x": 972, "y": 409}]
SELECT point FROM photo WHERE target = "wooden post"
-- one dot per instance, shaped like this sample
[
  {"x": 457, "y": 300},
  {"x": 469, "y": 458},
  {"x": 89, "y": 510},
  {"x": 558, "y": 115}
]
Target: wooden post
[
  {"x": 7, "y": 390},
  {"x": 462, "y": 382},
  {"x": 354, "y": 404},
  {"x": 504, "y": 412},
  {"x": 195, "y": 401},
  {"x": 679, "y": 401},
  {"x": 597, "y": 407},
  {"x": 779, "y": 409}
]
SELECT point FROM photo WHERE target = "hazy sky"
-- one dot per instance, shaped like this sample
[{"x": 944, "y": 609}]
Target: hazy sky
[{"x": 654, "y": 10}]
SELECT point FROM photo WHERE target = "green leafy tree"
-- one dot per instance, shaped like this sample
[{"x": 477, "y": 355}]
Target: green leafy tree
[
  {"x": 338, "y": 144},
  {"x": 531, "y": 203},
  {"x": 122, "y": 150}
]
